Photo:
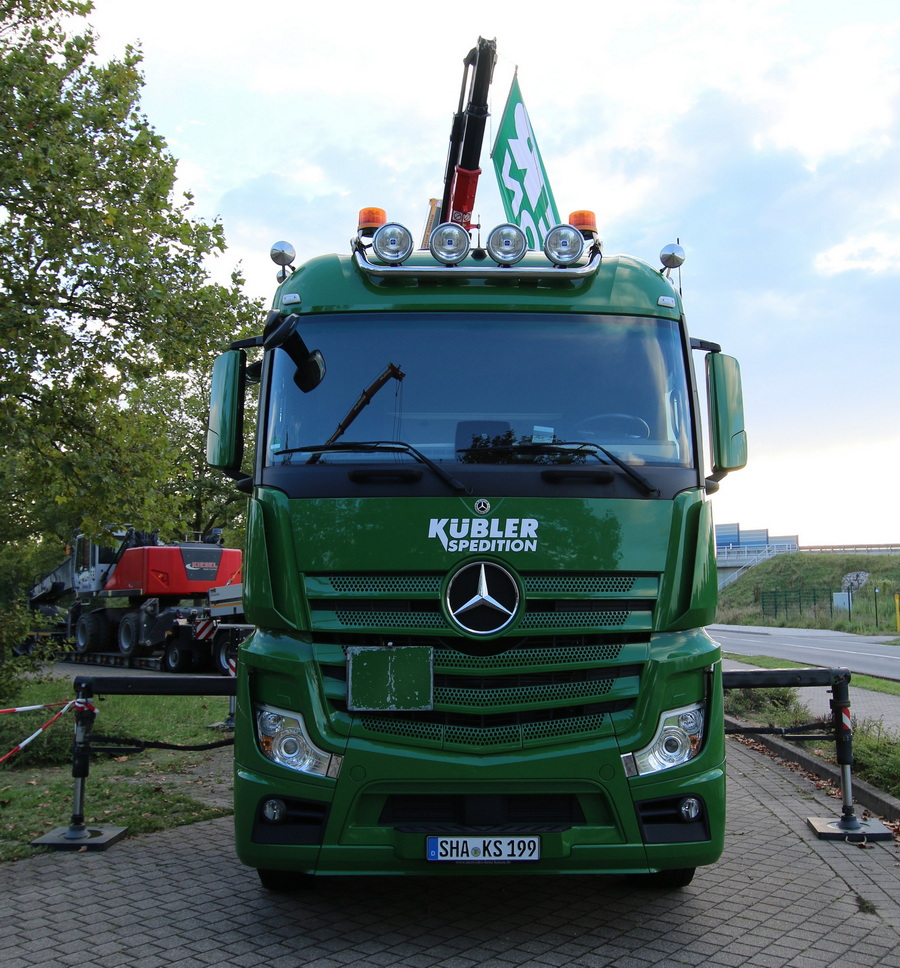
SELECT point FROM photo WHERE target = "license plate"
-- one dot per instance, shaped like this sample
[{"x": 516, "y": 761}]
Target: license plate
[{"x": 482, "y": 849}]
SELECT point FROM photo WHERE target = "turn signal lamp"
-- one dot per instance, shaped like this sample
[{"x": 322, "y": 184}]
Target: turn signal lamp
[
  {"x": 563, "y": 245},
  {"x": 371, "y": 219},
  {"x": 393, "y": 243},
  {"x": 586, "y": 223},
  {"x": 449, "y": 243},
  {"x": 507, "y": 244}
]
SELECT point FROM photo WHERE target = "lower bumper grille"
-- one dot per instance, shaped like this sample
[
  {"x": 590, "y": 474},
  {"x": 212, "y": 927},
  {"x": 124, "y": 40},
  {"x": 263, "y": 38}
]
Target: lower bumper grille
[{"x": 458, "y": 813}]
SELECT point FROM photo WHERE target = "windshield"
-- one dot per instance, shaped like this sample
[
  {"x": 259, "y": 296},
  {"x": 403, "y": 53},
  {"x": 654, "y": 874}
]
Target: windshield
[{"x": 484, "y": 388}]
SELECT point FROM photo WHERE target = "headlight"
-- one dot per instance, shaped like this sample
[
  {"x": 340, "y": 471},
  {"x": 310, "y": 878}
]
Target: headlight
[
  {"x": 283, "y": 739},
  {"x": 678, "y": 740}
]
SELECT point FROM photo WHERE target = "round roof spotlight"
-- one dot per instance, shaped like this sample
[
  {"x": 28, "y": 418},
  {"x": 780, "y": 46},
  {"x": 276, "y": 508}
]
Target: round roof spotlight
[
  {"x": 449, "y": 243},
  {"x": 563, "y": 245},
  {"x": 671, "y": 256},
  {"x": 282, "y": 253},
  {"x": 507, "y": 244},
  {"x": 392, "y": 243}
]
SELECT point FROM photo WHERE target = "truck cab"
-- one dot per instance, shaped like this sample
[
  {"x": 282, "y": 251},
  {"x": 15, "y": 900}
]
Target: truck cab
[{"x": 480, "y": 558}]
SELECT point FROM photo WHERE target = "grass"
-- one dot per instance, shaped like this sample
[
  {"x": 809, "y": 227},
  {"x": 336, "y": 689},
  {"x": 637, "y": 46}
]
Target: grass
[
  {"x": 145, "y": 792},
  {"x": 740, "y": 602},
  {"x": 876, "y": 749}
]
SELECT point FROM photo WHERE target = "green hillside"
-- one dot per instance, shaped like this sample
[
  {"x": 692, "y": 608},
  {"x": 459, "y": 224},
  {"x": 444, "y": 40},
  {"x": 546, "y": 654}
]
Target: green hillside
[{"x": 742, "y": 602}]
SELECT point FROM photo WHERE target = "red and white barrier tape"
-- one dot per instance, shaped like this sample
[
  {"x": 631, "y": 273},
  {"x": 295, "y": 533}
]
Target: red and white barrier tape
[
  {"x": 37, "y": 732},
  {"x": 28, "y": 709}
]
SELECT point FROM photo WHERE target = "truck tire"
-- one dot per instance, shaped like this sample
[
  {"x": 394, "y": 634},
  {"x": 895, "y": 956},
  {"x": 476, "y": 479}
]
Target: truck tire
[
  {"x": 88, "y": 633},
  {"x": 177, "y": 658},
  {"x": 282, "y": 882},
  {"x": 130, "y": 634},
  {"x": 224, "y": 648},
  {"x": 671, "y": 880}
]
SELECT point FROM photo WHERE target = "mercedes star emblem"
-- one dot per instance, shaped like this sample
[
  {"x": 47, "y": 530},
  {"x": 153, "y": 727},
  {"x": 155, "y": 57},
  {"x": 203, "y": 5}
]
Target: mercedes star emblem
[{"x": 482, "y": 598}]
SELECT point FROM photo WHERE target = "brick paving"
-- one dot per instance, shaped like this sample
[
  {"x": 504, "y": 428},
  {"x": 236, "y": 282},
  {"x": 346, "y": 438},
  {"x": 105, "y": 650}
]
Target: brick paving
[{"x": 779, "y": 898}]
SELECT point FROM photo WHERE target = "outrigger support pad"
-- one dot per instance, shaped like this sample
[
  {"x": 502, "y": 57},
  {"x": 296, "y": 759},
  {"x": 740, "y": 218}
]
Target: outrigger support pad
[
  {"x": 848, "y": 827},
  {"x": 78, "y": 836}
]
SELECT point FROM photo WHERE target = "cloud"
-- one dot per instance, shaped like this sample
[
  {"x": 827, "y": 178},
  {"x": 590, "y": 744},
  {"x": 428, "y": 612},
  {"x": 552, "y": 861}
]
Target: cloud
[{"x": 873, "y": 252}]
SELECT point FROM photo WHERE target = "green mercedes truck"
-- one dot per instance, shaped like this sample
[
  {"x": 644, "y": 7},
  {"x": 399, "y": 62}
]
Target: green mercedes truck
[{"x": 480, "y": 559}]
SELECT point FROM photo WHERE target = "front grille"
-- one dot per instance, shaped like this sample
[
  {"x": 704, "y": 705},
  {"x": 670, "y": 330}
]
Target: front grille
[
  {"x": 574, "y": 657},
  {"x": 411, "y": 603},
  {"x": 470, "y": 732}
]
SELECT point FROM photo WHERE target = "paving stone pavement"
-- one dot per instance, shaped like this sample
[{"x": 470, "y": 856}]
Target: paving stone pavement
[{"x": 779, "y": 898}]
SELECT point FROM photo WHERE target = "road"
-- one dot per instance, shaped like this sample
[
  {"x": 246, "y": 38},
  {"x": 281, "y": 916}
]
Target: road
[{"x": 870, "y": 655}]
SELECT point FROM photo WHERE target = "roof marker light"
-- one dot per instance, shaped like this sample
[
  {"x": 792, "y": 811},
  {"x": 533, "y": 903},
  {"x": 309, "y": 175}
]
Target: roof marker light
[
  {"x": 393, "y": 243},
  {"x": 370, "y": 219},
  {"x": 563, "y": 245},
  {"x": 449, "y": 243},
  {"x": 586, "y": 223},
  {"x": 507, "y": 244}
]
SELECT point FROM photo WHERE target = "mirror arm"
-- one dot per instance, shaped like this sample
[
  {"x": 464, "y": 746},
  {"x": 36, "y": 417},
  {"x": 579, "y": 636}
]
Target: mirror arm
[{"x": 705, "y": 345}]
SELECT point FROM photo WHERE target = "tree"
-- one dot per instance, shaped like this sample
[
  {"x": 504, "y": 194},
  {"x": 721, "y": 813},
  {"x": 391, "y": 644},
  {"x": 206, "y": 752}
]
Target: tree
[
  {"x": 102, "y": 286},
  {"x": 108, "y": 319}
]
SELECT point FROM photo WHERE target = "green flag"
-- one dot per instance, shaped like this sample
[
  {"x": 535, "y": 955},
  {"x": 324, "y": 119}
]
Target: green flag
[{"x": 524, "y": 188}]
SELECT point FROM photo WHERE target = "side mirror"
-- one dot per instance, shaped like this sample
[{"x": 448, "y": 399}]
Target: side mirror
[
  {"x": 281, "y": 331},
  {"x": 726, "y": 414},
  {"x": 225, "y": 434}
]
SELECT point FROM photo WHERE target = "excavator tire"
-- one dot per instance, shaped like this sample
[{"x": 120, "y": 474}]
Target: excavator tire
[
  {"x": 130, "y": 634},
  {"x": 88, "y": 633}
]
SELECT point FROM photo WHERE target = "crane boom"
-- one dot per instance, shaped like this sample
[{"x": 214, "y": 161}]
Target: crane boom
[{"x": 467, "y": 135}]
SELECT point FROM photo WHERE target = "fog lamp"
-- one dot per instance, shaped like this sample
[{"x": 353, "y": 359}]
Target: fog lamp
[
  {"x": 392, "y": 243},
  {"x": 690, "y": 808},
  {"x": 273, "y": 811},
  {"x": 507, "y": 244},
  {"x": 449, "y": 243},
  {"x": 563, "y": 245}
]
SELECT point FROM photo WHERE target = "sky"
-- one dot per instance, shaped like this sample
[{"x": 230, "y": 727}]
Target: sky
[{"x": 764, "y": 136}]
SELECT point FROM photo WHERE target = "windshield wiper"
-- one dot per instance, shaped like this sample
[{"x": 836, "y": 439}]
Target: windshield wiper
[
  {"x": 573, "y": 447},
  {"x": 371, "y": 447}
]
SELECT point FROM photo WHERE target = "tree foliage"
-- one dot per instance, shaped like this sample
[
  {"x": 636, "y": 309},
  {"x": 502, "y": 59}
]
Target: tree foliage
[
  {"x": 109, "y": 322},
  {"x": 105, "y": 307}
]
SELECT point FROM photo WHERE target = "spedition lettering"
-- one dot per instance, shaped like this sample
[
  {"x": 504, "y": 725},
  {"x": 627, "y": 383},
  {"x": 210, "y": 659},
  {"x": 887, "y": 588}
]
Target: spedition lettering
[{"x": 481, "y": 534}]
